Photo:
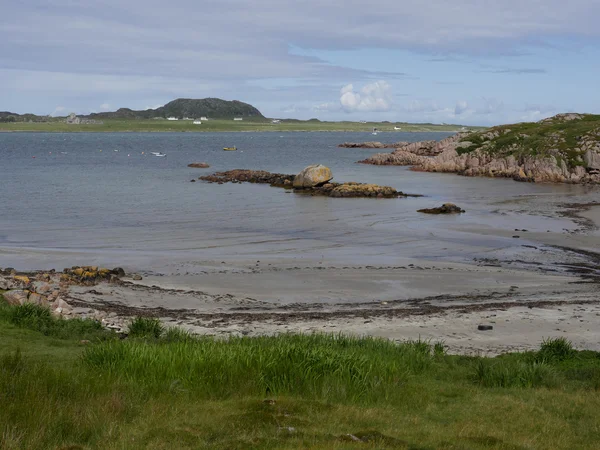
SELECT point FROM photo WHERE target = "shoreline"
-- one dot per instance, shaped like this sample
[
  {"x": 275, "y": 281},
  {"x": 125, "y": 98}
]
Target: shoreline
[{"x": 524, "y": 305}]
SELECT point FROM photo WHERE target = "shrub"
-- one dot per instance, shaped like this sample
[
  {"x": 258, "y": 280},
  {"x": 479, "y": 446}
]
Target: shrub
[
  {"x": 504, "y": 373},
  {"x": 145, "y": 327},
  {"x": 39, "y": 318},
  {"x": 557, "y": 349}
]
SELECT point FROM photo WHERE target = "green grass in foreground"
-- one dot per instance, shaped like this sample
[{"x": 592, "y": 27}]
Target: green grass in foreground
[
  {"x": 150, "y": 125},
  {"x": 166, "y": 389}
]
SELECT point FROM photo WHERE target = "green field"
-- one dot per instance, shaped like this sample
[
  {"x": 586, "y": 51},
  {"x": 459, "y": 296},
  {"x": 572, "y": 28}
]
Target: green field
[
  {"x": 164, "y": 389},
  {"x": 148, "y": 125}
]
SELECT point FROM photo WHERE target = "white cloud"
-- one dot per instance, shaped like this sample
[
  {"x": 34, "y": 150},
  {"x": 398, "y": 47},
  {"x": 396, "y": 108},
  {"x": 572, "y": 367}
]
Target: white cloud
[
  {"x": 490, "y": 106},
  {"x": 460, "y": 107},
  {"x": 105, "y": 106},
  {"x": 372, "y": 97},
  {"x": 58, "y": 110}
]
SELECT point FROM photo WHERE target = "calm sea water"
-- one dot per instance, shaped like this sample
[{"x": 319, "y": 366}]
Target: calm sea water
[{"x": 103, "y": 198}]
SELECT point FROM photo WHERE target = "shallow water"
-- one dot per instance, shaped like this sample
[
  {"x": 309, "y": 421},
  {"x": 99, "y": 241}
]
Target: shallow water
[{"x": 92, "y": 204}]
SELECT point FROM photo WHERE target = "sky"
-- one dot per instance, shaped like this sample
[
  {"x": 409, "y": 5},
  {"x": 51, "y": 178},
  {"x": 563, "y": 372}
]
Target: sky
[{"x": 476, "y": 62}]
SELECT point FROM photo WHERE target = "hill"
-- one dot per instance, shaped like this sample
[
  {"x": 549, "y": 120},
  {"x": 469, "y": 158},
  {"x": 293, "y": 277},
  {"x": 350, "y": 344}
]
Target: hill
[
  {"x": 564, "y": 148},
  {"x": 214, "y": 108},
  {"x": 10, "y": 117}
]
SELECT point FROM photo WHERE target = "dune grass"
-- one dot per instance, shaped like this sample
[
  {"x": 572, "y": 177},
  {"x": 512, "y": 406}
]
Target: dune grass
[{"x": 163, "y": 388}]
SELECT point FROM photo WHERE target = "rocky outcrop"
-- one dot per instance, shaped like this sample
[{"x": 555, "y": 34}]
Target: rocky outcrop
[
  {"x": 414, "y": 153},
  {"x": 52, "y": 290},
  {"x": 396, "y": 158},
  {"x": 90, "y": 275},
  {"x": 592, "y": 159},
  {"x": 563, "y": 149},
  {"x": 446, "y": 208},
  {"x": 250, "y": 176},
  {"x": 371, "y": 145},
  {"x": 347, "y": 190},
  {"x": 199, "y": 165},
  {"x": 312, "y": 176}
]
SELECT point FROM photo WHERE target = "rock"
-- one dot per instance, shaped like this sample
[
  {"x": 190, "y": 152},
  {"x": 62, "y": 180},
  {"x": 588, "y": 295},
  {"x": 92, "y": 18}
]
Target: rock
[
  {"x": 16, "y": 297},
  {"x": 446, "y": 208},
  {"x": 136, "y": 277},
  {"x": 313, "y": 176},
  {"x": 371, "y": 145},
  {"x": 5, "y": 284},
  {"x": 118, "y": 271},
  {"x": 61, "y": 308},
  {"x": 41, "y": 287},
  {"x": 592, "y": 159},
  {"x": 350, "y": 189},
  {"x": 485, "y": 327},
  {"x": 37, "y": 299},
  {"x": 22, "y": 280},
  {"x": 199, "y": 165}
]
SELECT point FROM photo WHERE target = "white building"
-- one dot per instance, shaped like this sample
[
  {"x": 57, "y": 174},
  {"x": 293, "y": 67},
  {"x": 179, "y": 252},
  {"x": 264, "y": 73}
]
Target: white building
[
  {"x": 203, "y": 118},
  {"x": 172, "y": 118},
  {"x": 238, "y": 118},
  {"x": 276, "y": 121},
  {"x": 197, "y": 122}
]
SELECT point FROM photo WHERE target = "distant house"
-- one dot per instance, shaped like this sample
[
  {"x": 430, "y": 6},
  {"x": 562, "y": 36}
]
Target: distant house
[
  {"x": 276, "y": 121},
  {"x": 238, "y": 118},
  {"x": 203, "y": 118},
  {"x": 187, "y": 118},
  {"x": 73, "y": 119},
  {"x": 197, "y": 122},
  {"x": 172, "y": 118}
]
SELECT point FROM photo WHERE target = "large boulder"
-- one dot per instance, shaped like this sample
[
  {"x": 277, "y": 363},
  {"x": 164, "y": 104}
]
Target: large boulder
[
  {"x": 312, "y": 176},
  {"x": 592, "y": 160},
  {"x": 16, "y": 297}
]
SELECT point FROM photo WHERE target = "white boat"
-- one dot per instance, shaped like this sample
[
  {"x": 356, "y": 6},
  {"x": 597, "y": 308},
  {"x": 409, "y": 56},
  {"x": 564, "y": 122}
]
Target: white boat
[
  {"x": 159, "y": 154},
  {"x": 374, "y": 133}
]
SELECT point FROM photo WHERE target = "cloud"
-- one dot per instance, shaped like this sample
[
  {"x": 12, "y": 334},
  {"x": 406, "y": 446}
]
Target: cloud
[
  {"x": 105, "y": 106},
  {"x": 460, "y": 107},
  {"x": 58, "y": 110},
  {"x": 489, "y": 106},
  {"x": 422, "y": 106},
  {"x": 372, "y": 97}
]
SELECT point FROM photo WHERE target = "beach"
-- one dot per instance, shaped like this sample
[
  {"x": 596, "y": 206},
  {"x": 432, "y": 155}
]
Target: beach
[{"x": 251, "y": 260}]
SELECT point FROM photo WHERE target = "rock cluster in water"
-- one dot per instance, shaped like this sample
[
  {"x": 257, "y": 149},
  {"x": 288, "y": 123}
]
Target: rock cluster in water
[
  {"x": 371, "y": 145},
  {"x": 199, "y": 165},
  {"x": 446, "y": 208},
  {"x": 319, "y": 177}
]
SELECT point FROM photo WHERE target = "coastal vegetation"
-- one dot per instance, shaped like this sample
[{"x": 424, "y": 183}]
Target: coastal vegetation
[
  {"x": 564, "y": 136},
  {"x": 160, "y": 387},
  {"x": 564, "y": 149},
  {"x": 219, "y": 125}
]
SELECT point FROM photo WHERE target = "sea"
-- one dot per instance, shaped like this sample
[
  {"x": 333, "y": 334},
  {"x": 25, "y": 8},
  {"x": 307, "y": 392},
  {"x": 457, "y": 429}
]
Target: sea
[{"x": 103, "y": 198}]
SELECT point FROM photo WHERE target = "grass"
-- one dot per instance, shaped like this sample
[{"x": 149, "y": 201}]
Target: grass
[
  {"x": 555, "y": 137},
  {"x": 167, "y": 389},
  {"x": 150, "y": 125}
]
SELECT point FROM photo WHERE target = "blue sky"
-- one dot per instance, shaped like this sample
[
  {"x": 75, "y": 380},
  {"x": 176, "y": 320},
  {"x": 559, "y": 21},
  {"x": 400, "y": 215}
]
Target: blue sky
[{"x": 473, "y": 62}]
